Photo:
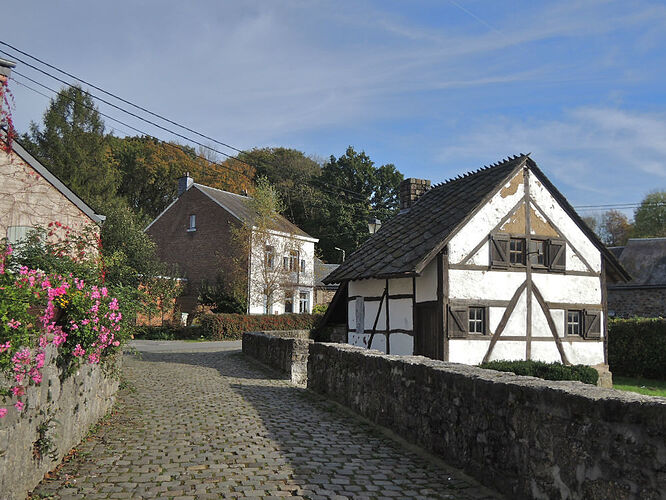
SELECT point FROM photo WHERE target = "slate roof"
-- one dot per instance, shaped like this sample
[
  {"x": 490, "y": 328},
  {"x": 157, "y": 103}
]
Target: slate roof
[
  {"x": 53, "y": 180},
  {"x": 321, "y": 271},
  {"x": 405, "y": 244},
  {"x": 645, "y": 260},
  {"x": 239, "y": 206}
]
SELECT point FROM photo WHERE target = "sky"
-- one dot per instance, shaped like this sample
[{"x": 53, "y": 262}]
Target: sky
[{"x": 437, "y": 88}]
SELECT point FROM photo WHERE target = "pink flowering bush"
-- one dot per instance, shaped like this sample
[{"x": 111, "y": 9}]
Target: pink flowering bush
[{"x": 82, "y": 320}]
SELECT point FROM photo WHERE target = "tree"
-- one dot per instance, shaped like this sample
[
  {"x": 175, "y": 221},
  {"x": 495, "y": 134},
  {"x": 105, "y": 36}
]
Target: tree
[
  {"x": 650, "y": 217},
  {"x": 72, "y": 145},
  {"x": 614, "y": 228},
  {"x": 355, "y": 190}
]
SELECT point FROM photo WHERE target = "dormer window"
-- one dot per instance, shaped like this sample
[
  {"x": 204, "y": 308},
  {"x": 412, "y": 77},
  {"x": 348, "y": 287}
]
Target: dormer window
[{"x": 193, "y": 223}]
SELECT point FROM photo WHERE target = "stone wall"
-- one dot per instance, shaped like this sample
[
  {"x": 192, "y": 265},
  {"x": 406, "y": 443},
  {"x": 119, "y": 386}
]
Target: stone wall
[
  {"x": 288, "y": 355},
  {"x": 643, "y": 302},
  {"x": 526, "y": 437},
  {"x": 64, "y": 411}
]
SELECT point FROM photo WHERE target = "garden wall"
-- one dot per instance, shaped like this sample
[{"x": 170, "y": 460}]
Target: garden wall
[
  {"x": 288, "y": 355},
  {"x": 523, "y": 436},
  {"x": 63, "y": 411}
]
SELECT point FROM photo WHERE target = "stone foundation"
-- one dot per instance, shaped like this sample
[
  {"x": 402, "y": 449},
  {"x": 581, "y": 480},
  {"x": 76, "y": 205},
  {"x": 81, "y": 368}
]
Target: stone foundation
[{"x": 64, "y": 411}]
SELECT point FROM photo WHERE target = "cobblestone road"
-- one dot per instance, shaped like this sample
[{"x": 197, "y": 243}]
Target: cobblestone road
[{"x": 215, "y": 425}]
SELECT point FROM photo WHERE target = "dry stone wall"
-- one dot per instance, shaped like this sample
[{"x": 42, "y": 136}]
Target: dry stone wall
[
  {"x": 527, "y": 437},
  {"x": 288, "y": 355},
  {"x": 646, "y": 302},
  {"x": 63, "y": 412}
]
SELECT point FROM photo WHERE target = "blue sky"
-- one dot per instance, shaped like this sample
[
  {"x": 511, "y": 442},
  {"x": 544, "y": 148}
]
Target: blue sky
[{"x": 435, "y": 87}]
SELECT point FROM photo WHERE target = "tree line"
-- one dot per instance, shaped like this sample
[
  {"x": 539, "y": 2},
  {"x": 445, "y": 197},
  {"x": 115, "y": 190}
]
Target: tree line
[{"x": 133, "y": 179}]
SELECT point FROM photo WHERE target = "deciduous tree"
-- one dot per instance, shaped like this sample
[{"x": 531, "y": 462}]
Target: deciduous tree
[{"x": 650, "y": 217}]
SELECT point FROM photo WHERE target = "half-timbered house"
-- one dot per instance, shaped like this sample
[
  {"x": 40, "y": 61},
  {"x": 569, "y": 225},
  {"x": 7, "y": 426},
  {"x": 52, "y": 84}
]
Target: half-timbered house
[{"x": 494, "y": 264}]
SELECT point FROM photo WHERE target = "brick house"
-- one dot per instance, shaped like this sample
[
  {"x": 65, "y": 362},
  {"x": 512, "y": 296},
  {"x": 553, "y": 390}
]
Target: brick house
[
  {"x": 494, "y": 264},
  {"x": 197, "y": 234},
  {"x": 645, "y": 295}
]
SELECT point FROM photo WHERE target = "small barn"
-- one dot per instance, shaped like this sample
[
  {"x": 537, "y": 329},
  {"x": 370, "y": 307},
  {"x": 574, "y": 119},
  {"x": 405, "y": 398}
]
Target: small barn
[{"x": 494, "y": 264}]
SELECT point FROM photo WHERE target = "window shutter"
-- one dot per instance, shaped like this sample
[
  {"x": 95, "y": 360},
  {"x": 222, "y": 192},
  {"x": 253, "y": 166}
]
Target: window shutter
[
  {"x": 499, "y": 250},
  {"x": 532, "y": 252},
  {"x": 557, "y": 255},
  {"x": 592, "y": 325},
  {"x": 457, "y": 322}
]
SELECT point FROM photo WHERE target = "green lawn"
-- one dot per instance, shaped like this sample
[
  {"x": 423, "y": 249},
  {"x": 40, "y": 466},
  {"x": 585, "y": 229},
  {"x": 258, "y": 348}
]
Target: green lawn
[{"x": 640, "y": 385}]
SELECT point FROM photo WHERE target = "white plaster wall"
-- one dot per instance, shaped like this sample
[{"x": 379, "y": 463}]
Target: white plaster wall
[
  {"x": 400, "y": 316},
  {"x": 482, "y": 257},
  {"x": 508, "y": 349},
  {"x": 482, "y": 223},
  {"x": 367, "y": 288},
  {"x": 584, "y": 353},
  {"x": 378, "y": 342},
  {"x": 517, "y": 324},
  {"x": 401, "y": 344},
  {"x": 546, "y": 352},
  {"x": 426, "y": 284},
  {"x": 400, "y": 286},
  {"x": 371, "y": 313},
  {"x": 558, "y": 318},
  {"x": 568, "y": 289},
  {"x": 483, "y": 285},
  {"x": 573, "y": 261},
  {"x": 469, "y": 352},
  {"x": 494, "y": 317},
  {"x": 540, "y": 326},
  {"x": 564, "y": 223}
]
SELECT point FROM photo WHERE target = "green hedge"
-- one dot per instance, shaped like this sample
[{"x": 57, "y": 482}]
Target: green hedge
[
  {"x": 232, "y": 326},
  {"x": 637, "y": 347},
  {"x": 548, "y": 371}
]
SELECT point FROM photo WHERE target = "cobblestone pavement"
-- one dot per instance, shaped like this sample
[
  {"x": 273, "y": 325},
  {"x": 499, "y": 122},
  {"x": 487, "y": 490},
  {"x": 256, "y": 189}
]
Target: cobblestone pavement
[{"x": 216, "y": 425}]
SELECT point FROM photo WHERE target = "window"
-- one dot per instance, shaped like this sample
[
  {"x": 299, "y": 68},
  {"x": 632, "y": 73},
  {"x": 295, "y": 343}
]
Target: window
[
  {"x": 538, "y": 253},
  {"x": 517, "y": 251},
  {"x": 193, "y": 223},
  {"x": 303, "y": 302},
  {"x": 289, "y": 305},
  {"x": 290, "y": 262},
  {"x": 302, "y": 265},
  {"x": 17, "y": 233},
  {"x": 269, "y": 256},
  {"x": 574, "y": 322},
  {"x": 477, "y": 320}
]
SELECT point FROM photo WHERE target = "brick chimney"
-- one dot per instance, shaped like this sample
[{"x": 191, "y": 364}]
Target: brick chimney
[
  {"x": 184, "y": 183},
  {"x": 5, "y": 72},
  {"x": 410, "y": 190}
]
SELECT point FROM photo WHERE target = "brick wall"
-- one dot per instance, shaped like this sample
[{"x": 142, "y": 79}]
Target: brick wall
[
  {"x": 647, "y": 302},
  {"x": 27, "y": 199},
  {"x": 199, "y": 255}
]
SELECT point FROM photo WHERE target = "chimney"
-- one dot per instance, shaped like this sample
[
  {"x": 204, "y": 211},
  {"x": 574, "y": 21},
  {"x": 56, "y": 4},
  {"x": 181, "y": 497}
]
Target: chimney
[
  {"x": 184, "y": 183},
  {"x": 5, "y": 72},
  {"x": 411, "y": 190}
]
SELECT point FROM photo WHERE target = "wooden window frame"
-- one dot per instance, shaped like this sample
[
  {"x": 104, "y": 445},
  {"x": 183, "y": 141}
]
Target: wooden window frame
[
  {"x": 533, "y": 253},
  {"x": 458, "y": 321},
  {"x": 578, "y": 324},
  {"x": 290, "y": 262},
  {"x": 522, "y": 253},
  {"x": 473, "y": 322},
  {"x": 589, "y": 323}
]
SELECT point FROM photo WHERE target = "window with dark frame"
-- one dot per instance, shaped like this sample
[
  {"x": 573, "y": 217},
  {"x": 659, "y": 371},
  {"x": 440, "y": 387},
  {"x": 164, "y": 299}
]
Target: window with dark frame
[
  {"x": 538, "y": 253},
  {"x": 302, "y": 265},
  {"x": 289, "y": 305},
  {"x": 574, "y": 322},
  {"x": 291, "y": 261},
  {"x": 477, "y": 320},
  {"x": 270, "y": 256},
  {"x": 517, "y": 251}
]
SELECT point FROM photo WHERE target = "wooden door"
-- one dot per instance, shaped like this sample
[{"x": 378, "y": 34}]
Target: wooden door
[{"x": 429, "y": 338}]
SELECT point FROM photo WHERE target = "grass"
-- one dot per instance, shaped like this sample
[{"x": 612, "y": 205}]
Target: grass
[{"x": 640, "y": 385}]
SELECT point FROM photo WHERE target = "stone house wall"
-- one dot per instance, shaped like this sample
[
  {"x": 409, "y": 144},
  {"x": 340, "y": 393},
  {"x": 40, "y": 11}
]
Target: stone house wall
[
  {"x": 67, "y": 408},
  {"x": 643, "y": 302},
  {"x": 27, "y": 199}
]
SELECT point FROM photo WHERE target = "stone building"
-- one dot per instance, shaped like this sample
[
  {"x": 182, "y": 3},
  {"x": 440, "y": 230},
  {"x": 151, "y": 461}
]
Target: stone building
[
  {"x": 645, "y": 295},
  {"x": 494, "y": 264},
  {"x": 197, "y": 234},
  {"x": 323, "y": 293}
]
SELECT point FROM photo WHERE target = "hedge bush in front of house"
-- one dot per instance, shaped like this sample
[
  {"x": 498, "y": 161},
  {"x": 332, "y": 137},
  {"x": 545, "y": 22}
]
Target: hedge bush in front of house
[
  {"x": 637, "y": 347},
  {"x": 547, "y": 371},
  {"x": 232, "y": 326}
]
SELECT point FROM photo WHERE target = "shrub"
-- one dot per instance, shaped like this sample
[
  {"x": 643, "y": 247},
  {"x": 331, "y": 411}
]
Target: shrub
[
  {"x": 168, "y": 332},
  {"x": 320, "y": 309},
  {"x": 547, "y": 371},
  {"x": 232, "y": 326},
  {"x": 637, "y": 347}
]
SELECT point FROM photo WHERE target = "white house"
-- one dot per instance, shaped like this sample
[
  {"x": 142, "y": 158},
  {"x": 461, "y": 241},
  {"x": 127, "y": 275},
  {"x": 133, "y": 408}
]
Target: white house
[{"x": 491, "y": 265}]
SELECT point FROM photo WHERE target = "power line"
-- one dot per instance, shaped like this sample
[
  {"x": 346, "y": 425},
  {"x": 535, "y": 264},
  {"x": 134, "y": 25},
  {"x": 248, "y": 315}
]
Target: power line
[{"x": 360, "y": 196}]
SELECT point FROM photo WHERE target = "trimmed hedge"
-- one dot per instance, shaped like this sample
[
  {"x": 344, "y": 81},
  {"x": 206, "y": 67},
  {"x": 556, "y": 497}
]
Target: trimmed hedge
[
  {"x": 637, "y": 347},
  {"x": 547, "y": 371},
  {"x": 232, "y": 326},
  {"x": 168, "y": 332}
]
